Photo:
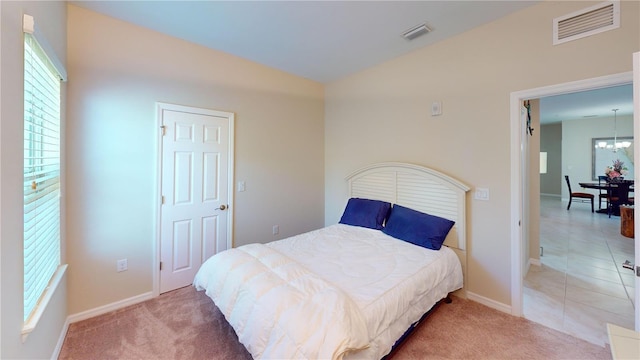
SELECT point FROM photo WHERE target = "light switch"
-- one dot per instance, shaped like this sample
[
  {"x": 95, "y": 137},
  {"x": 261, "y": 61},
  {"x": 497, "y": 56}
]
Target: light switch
[
  {"x": 482, "y": 194},
  {"x": 436, "y": 108},
  {"x": 241, "y": 186}
]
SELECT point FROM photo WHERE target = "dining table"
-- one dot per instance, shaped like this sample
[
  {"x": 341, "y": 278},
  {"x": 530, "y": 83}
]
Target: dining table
[{"x": 619, "y": 190}]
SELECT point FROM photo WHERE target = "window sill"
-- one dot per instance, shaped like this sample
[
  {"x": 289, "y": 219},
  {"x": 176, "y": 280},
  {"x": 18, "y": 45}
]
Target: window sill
[{"x": 30, "y": 324}]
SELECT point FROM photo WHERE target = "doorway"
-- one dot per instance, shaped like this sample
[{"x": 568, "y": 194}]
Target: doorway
[
  {"x": 196, "y": 188},
  {"x": 579, "y": 285},
  {"x": 519, "y": 197}
]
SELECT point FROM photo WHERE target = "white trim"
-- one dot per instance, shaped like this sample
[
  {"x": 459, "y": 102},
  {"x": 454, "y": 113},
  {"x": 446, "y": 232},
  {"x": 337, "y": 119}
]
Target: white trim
[
  {"x": 636, "y": 152},
  {"x": 160, "y": 107},
  {"x": 63, "y": 335},
  {"x": 29, "y": 27},
  {"x": 1, "y": 176},
  {"x": 84, "y": 315},
  {"x": 38, "y": 311},
  {"x": 155, "y": 263},
  {"x": 516, "y": 181},
  {"x": 535, "y": 262},
  {"x": 489, "y": 302}
]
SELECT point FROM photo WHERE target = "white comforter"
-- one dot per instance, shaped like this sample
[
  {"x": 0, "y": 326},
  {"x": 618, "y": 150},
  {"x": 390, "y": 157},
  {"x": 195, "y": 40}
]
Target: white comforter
[
  {"x": 279, "y": 309},
  {"x": 374, "y": 287}
]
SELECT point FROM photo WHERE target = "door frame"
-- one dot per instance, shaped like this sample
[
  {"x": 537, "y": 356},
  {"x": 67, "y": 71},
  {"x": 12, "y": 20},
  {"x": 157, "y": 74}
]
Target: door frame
[
  {"x": 160, "y": 107},
  {"x": 636, "y": 155},
  {"x": 518, "y": 198}
]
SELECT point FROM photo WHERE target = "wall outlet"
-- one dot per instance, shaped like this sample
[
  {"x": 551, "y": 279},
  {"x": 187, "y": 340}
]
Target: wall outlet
[
  {"x": 121, "y": 265},
  {"x": 276, "y": 229}
]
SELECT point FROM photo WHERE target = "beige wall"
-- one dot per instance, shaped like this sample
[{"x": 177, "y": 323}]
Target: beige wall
[
  {"x": 117, "y": 72},
  {"x": 552, "y": 182},
  {"x": 292, "y": 145},
  {"x": 533, "y": 250},
  {"x": 577, "y": 135},
  {"x": 570, "y": 142},
  {"x": 383, "y": 114},
  {"x": 50, "y": 18}
]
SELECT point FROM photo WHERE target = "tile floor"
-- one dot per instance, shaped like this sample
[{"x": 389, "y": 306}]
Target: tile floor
[{"x": 580, "y": 285}]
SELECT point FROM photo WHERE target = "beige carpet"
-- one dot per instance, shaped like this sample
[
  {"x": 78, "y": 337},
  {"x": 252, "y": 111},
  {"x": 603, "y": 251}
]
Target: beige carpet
[
  {"x": 184, "y": 324},
  {"x": 466, "y": 329},
  {"x": 181, "y": 324}
]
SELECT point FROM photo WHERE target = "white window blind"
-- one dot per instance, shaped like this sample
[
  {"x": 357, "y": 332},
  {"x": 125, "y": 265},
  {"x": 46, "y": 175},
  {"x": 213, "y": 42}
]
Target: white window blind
[{"x": 41, "y": 172}]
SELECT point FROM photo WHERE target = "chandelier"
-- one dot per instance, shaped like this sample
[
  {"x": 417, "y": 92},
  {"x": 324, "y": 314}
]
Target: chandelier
[{"x": 616, "y": 145}]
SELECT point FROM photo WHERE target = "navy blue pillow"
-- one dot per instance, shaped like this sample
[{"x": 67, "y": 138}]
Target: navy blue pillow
[
  {"x": 366, "y": 213},
  {"x": 417, "y": 227}
]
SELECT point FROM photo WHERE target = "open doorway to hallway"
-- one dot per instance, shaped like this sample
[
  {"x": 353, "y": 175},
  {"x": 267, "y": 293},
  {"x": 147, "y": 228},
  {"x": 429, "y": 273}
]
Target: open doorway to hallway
[
  {"x": 574, "y": 288},
  {"x": 579, "y": 285}
]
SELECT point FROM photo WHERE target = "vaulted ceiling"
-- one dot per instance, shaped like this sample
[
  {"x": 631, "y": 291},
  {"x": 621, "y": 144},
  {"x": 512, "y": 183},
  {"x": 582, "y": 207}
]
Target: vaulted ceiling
[{"x": 327, "y": 40}]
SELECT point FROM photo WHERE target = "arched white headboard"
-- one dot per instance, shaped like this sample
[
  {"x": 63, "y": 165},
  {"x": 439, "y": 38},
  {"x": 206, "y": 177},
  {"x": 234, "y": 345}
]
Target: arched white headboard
[{"x": 416, "y": 187}]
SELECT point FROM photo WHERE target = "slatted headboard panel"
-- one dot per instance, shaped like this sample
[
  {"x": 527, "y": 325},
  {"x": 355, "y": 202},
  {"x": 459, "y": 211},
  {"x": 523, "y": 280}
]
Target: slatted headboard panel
[{"x": 418, "y": 188}]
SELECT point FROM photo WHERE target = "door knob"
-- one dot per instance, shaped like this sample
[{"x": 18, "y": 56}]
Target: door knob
[{"x": 222, "y": 207}]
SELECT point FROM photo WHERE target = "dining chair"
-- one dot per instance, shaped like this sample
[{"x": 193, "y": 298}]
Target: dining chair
[
  {"x": 619, "y": 196},
  {"x": 604, "y": 194},
  {"x": 580, "y": 196}
]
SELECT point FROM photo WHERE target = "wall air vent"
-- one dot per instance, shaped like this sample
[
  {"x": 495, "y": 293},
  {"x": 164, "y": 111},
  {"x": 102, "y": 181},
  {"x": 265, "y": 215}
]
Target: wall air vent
[{"x": 586, "y": 22}]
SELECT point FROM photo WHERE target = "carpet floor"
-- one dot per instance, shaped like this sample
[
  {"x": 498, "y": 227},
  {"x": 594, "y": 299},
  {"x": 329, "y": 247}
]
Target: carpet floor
[{"x": 185, "y": 324}]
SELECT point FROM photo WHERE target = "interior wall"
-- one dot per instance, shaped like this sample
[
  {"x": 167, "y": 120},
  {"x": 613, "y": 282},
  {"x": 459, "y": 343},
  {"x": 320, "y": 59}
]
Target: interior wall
[
  {"x": 577, "y": 148},
  {"x": 551, "y": 142},
  {"x": 50, "y": 18},
  {"x": 117, "y": 72},
  {"x": 383, "y": 114}
]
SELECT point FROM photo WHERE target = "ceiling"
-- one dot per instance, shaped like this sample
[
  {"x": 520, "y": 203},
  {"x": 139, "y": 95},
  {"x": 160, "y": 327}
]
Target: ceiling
[
  {"x": 328, "y": 40},
  {"x": 587, "y": 104}
]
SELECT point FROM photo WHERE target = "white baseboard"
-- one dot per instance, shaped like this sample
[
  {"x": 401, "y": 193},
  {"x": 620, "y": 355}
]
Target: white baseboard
[
  {"x": 95, "y": 312},
  {"x": 535, "y": 262},
  {"x": 551, "y": 195},
  {"x": 488, "y": 302},
  {"x": 63, "y": 334},
  {"x": 531, "y": 261},
  {"x": 109, "y": 307}
]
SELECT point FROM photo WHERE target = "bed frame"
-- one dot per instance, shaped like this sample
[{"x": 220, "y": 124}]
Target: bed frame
[{"x": 419, "y": 188}]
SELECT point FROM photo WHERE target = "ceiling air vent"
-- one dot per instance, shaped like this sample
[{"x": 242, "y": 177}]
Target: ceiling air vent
[
  {"x": 416, "y": 31},
  {"x": 586, "y": 22}
]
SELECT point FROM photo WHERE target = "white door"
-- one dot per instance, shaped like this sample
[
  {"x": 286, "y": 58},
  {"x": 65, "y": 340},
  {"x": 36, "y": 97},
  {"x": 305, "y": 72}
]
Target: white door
[
  {"x": 196, "y": 176},
  {"x": 636, "y": 135}
]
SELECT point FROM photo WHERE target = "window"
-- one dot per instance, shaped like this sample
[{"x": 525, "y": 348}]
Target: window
[{"x": 41, "y": 174}]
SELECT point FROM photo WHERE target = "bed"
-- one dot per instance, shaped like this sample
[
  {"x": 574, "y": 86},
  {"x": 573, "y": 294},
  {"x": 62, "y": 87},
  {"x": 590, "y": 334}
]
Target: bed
[{"x": 352, "y": 289}]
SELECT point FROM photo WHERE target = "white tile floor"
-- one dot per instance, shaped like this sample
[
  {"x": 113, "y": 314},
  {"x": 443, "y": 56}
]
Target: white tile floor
[{"x": 581, "y": 285}]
